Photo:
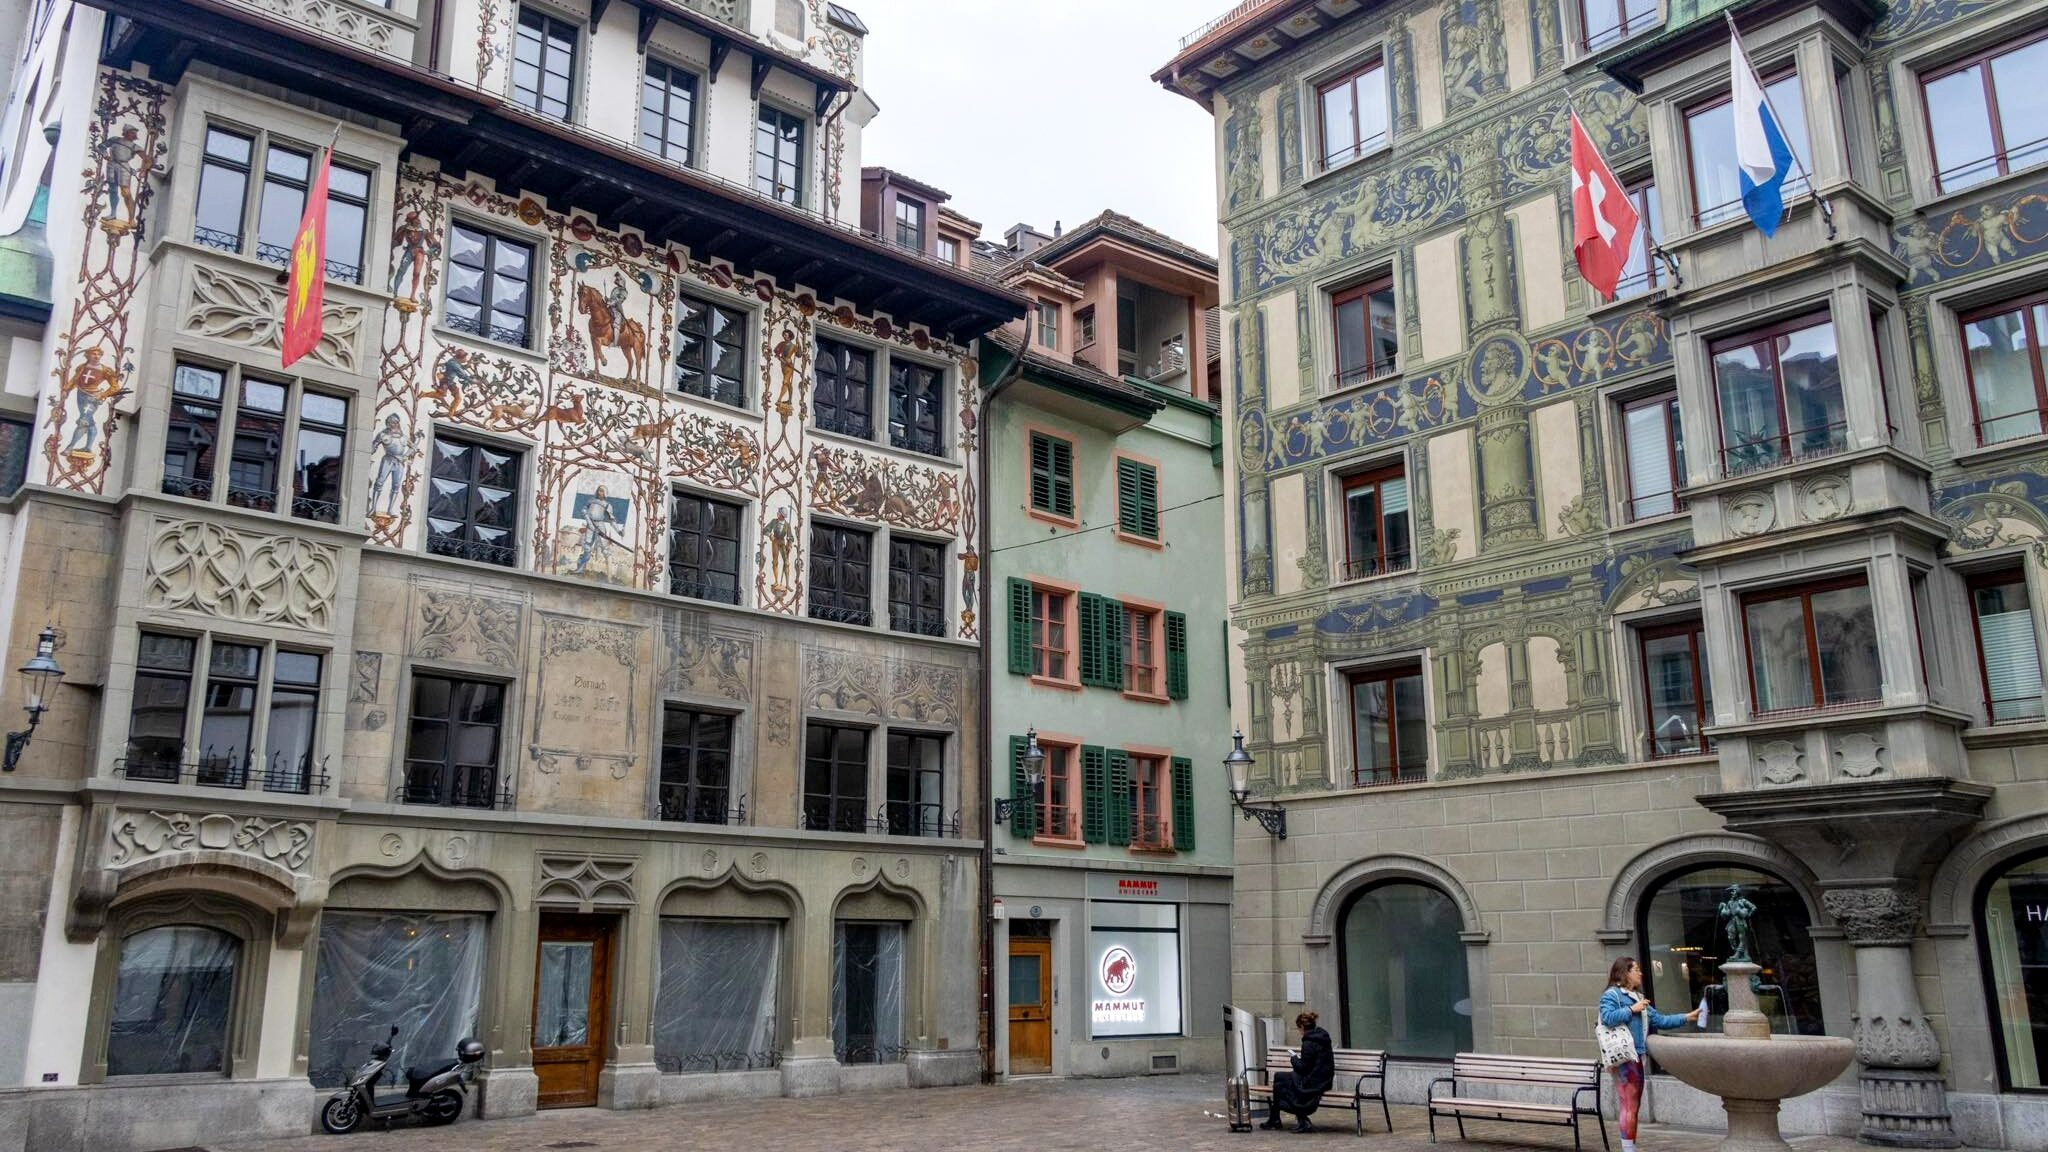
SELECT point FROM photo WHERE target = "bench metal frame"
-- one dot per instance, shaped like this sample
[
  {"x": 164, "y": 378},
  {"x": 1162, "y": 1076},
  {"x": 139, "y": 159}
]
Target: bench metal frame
[
  {"x": 1459, "y": 1111},
  {"x": 1277, "y": 1061}
]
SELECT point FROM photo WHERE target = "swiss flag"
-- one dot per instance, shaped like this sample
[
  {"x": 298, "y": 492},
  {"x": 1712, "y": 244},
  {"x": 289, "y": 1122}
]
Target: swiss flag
[
  {"x": 1604, "y": 220},
  {"x": 306, "y": 279}
]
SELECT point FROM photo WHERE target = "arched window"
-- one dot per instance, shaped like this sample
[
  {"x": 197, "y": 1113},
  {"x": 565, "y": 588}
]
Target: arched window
[
  {"x": 1684, "y": 945},
  {"x": 2012, "y": 931},
  {"x": 1402, "y": 971},
  {"x": 174, "y": 994}
]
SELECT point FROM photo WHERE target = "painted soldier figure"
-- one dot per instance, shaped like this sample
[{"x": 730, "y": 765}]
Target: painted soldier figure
[
  {"x": 392, "y": 449},
  {"x": 120, "y": 159},
  {"x": 411, "y": 241},
  {"x": 94, "y": 384},
  {"x": 598, "y": 540},
  {"x": 615, "y": 300}
]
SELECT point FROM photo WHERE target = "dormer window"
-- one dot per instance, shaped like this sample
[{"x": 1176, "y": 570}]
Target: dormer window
[
  {"x": 909, "y": 224},
  {"x": 949, "y": 250},
  {"x": 1048, "y": 325}
]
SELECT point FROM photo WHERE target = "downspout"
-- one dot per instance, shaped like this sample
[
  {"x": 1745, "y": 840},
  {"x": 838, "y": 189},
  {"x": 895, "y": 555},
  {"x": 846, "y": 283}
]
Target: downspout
[{"x": 988, "y": 738}]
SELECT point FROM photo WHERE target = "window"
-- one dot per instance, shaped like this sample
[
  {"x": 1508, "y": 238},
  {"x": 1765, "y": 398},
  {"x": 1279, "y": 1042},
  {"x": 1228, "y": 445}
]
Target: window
[
  {"x": 317, "y": 461},
  {"x": 17, "y": 437},
  {"x": 2012, "y": 933},
  {"x": 2008, "y": 387},
  {"x": 1052, "y": 475},
  {"x": 425, "y": 968},
  {"x": 1389, "y": 726},
  {"x": 1354, "y": 114},
  {"x": 451, "y": 747},
  {"x": 1985, "y": 115},
  {"x": 1710, "y": 135},
  {"x": 1402, "y": 980},
  {"x": 840, "y": 562},
  {"x": 156, "y": 718},
  {"x": 1134, "y": 963},
  {"x": 287, "y": 173},
  {"x": 1376, "y": 532},
  {"x": 867, "y": 992},
  {"x": 174, "y": 998},
  {"x": 1680, "y": 926},
  {"x": 1676, "y": 696},
  {"x": 1059, "y": 800},
  {"x": 714, "y": 1003},
  {"x": 1368, "y": 333},
  {"x": 1048, "y": 325},
  {"x": 1137, "y": 498},
  {"x": 949, "y": 250},
  {"x": 696, "y": 766},
  {"x": 668, "y": 100},
  {"x": 294, "y": 720},
  {"x": 227, "y": 716},
  {"x": 2007, "y": 649},
  {"x": 473, "y": 502},
  {"x": 1813, "y": 646},
  {"x": 711, "y": 351},
  {"x": 543, "y": 63},
  {"x": 909, "y": 224},
  {"x": 1084, "y": 326},
  {"x": 1052, "y": 640},
  {"x": 917, "y": 586},
  {"x": 1151, "y": 826},
  {"x": 835, "y": 778},
  {"x": 843, "y": 398},
  {"x": 1780, "y": 394},
  {"x": 230, "y": 694},
  {"x": 1640, "y": 274},
  {"x": 262, "y": 419},
  {"x": 489, "y": 277},
  {"x": 779, "y": 156},
  {"x": 916, "y": 785},
  {"x": 1656, "y": 456},
  {"x": 1141, "y": 653},
  {"x": 916, "y": 407},
  {"x": 1609, "y": 22},
  {"x": 704, "y": 548},
  {"x": 223, "y": 189}
]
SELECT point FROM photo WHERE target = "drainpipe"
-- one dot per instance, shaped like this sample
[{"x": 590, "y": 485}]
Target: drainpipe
[{"x": 988, "y": 738}]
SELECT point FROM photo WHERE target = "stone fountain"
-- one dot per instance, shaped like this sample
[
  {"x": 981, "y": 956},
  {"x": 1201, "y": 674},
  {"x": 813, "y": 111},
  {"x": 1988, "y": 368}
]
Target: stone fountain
[{"x": 1751, "y": 1070}]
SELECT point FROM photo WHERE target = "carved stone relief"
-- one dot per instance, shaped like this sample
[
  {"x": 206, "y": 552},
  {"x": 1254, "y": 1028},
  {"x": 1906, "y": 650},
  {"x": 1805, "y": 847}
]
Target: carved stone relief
[
  {"x": 1752, "y": 513},
  {"x": 354, "y": 23},
  {"x": 1896, "y": 1042},
  {"x": 1873, "y": 916},
  {"x": 197, "y": 566},
  {"x": 842, "y": 681},
  {"x": 704, "y": 659},
  {"x": 779, "y": 711},
  {"x": 925, "y": 693},
  {"x": 453, "y": 623},
  {"x": 1781, "y": 762},
  {"x": 138, "y": 836},
  {"x": 239, "y": 310},
  {"x": 587, "y": 881},
  {"x": 369, "y": 670},
  {"x": 1824, "y": 498},
  {"x": 1859, "y": 754}
]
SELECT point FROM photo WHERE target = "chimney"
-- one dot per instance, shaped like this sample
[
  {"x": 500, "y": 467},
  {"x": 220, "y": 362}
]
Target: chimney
[{"x": 1023, "y": 239}]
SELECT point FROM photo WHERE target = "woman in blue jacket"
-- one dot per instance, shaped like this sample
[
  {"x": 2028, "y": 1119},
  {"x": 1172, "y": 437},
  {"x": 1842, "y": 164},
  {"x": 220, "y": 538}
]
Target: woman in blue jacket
[{"x": 1623, "y": 1004}]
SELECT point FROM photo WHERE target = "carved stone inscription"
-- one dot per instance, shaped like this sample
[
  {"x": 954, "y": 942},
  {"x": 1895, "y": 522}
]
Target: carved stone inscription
[{"x": 586, "y": 695}]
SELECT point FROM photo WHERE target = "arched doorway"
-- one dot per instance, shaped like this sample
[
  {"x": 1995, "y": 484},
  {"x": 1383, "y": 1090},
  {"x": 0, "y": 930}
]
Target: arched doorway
[
  {"x": 1402, "y": 978},
  {"x": 2012, "y": 937},
  {"x": 1679, "y": 925}
]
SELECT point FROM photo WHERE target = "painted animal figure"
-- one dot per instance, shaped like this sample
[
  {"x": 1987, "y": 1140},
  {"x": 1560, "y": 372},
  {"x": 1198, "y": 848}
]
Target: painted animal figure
[{"x": 629, "y": 337}]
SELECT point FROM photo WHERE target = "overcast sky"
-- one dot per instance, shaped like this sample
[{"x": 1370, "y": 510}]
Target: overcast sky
[{"x": 1043, "y": 111}]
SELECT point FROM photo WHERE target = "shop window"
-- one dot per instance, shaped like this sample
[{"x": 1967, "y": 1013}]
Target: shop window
[
  {"x": 1655, "y": 448},
  {"x": 221, "y": 219},
  {"x": 909, "y": 224},
  {"x": 1642, "y": 273},
  {"x": 1377, "y": 535},
  {"x": 2007, "y": 646},
  {"x": 1353, "y": 114},
  {"x": 917, "y": 586},
  {"x": 711, "y": 350},
  {"x": 1135, "y": 977},
  {"x": 1389, "y": 726},
  {"x": 1141, "y": 651},
  {"x": 1780, "y": 393},
  {"x": 1609, "y": 22},
  {"x": 841, "y": 565},
  {"x": 867, "y": 992},
  {"x": 714, "y": 1000},
  {"x": 257, "y": 420},
  {"x": 835, "y": 778},
  {"x": 451, "y": 749},
  {"x": 915, "y": 804},
  {"x": 1151, "y": 819},
  {"x": 1677, "y": 701},
  {"x": 696, "y": 766},
  {"x": 1710, "y": 136},
  {"x": 543, "y": 63},
  {"x": 1368, "y": 332},
  {"x": 489, "y": 291},
  {"x": 473, "y": 501},
  {"x": 704, "y": 548},
  {"x": 842, "y": 399},
  {"x": 1052, "y": 475},
  {"x": 668, "y": 102},
  {"x": 223, "y": 704},
  {"x": 1813, "y": 646},
  {"x": 423, "y": 968},
  {"x": 917, "y": 405},
  {"x": 2002, "y": 350},
  {"x": 173, "y": 1003},
  {"x": 1985, "y": 114},
  {"x": 1679, "y": 924},
  {"x": 1048, "y": 325},
  {"x": 779, "y": 155},
  {"x": 2012, "y": 935},
  {"x": 1402, "y": 980},
  {"x": 1137, "y": 499}
]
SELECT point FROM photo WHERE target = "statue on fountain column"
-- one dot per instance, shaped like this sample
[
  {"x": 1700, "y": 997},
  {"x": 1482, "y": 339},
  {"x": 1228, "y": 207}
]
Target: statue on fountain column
[{"x": 1735, "y": 913}]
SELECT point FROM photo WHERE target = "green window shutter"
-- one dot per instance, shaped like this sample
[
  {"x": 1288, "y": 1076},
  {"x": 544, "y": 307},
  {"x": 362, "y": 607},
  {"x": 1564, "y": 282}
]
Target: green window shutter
[
  {"x": 1023, "y": 801},
  {"x": 1062, "y": 478},
  {"x": 1183, "y": 804},
  {"x": 1052, "y": 474},
  {"x": 1137, "y": 498},
  {"x": 1092, "y": 640},
  {"x": 1094, "y": 793},
  {"x": 1118, "y": 823},
  {"x": 1020, "y": 626},
  {"x": 1176, "y": 655},
  {"x": 1116, "y": 626},
  {"x": 1041, "y": 472}
]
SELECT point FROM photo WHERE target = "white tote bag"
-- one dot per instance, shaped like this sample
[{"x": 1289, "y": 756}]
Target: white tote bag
[{"x": 1617, "y": 1045}]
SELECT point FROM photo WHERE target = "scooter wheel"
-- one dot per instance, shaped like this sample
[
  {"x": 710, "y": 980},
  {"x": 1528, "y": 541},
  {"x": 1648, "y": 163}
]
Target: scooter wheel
[
  {"x": 443, "y": 1107},
  {"x": 342, "y": 1115}
]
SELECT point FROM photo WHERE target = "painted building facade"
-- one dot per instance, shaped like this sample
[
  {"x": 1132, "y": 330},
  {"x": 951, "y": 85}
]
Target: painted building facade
[
  {"x": 578, "y": 650},
  {"x": 1113, "y": 872},
  {"x": 1555, "y": 618}
]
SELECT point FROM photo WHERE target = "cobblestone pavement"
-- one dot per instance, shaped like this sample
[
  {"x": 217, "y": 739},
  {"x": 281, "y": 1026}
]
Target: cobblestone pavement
[{"x": 1029, "y": 1116}]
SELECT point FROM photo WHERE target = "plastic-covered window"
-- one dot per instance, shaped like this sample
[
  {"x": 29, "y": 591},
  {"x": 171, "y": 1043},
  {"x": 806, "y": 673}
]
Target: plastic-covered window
[
  {"x": 714, "y": 1008},
  {"x": 173, "y": 997},
  {"x": 867, "y": 992},
  {"x": 421, "y": 971}
]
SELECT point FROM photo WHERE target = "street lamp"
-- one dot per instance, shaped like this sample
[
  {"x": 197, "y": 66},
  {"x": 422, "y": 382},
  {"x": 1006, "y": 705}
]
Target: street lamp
[
  {"x": 1271, "y": 817},
  {"x": 1034, "y": 774},
  {"x": 42, "y": 673}
]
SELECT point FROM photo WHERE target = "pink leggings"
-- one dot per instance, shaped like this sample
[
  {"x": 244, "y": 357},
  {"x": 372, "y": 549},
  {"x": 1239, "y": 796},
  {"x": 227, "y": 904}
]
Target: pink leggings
[{"x": 1628, "y": 1088}]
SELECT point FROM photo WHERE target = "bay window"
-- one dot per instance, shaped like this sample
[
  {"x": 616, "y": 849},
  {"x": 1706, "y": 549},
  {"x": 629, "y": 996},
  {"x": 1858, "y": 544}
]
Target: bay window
[
  {"x": 1780, "y": 394},
  {"x": 2002, "y": 354},
  {"x": 1813, "y": 646},
  {"x": 1710, "y": 140},
  {"x": 1988, "y": 115},
  {"x": 1609, "y": 22},
  {"x": 2008, "y": 650}
]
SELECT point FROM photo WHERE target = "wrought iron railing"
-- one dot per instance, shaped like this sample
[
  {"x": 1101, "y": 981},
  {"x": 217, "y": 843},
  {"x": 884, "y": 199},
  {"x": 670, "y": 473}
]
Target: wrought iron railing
[
  {"x": 1385, "y": 565},
  {"x": 903, "y": 818},
  {"x": 308, "y": 508},
  {"x": 229, "y": 770},
  {"x": 843, "y": 614},
  {"x": 675, "y": 805},
  {"x": 476, "y": 326},
  {"x": 1237, "y": 15},
  {"x": 680, "y": 583},
  {"x": 254, "y": 499},
  {"x": 503, "y": 555},
  {"x": 727, "y": 1060},
  {"x": 1393, "y": 774},
  {"x": 1770, "y": 451},
  {"x": 453, "y": 786},
  {"x": 191, "y": 487},
  {"x": 915, "y": 622},
  {"x": 870, "y": 1052},
  {"x": 338, "y": 270},
  {"x": 216, "y": 239}
]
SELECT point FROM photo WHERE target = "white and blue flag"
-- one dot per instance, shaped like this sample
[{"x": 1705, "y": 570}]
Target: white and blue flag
[{"x": 1762, "y": 156}]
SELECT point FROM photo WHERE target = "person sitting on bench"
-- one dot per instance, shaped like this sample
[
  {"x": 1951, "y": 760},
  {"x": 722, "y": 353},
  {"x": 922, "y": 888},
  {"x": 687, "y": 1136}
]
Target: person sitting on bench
[{"x": 1301, "y": 1091}]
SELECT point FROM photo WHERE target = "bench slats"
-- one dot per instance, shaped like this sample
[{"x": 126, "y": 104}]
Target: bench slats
[{"x": 1467, "y": 1068}]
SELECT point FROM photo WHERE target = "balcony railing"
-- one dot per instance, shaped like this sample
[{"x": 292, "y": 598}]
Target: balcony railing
[
  {"x": 1814, "y": 709},
  {"x": 2018, "y": 709},
  {"x": 728, "y": 1060},
  {"x": 909, "y": 620},
  {"x": 1396, "y": 774},
  {"x": 1151, "y": 836},
  {"x": 1378, "y": 565},
  {"x": 231, "y": 770},
  {"x": 1654, "y": 504},
  {"x": 453, "y": 786},
  {"x": 675, "y": 805},
  {"x": 337, "y": 270},
  {"x": 503, "y": 555},
  {"x": 1238, "y": 15},
  {"x": 1765, "y": 452},
  {"x": 843, "y": 614},
  {"x": 2011, "y": 426},
  {"x": 891, "y": 819},
  {"x": 682, "y": 583}
]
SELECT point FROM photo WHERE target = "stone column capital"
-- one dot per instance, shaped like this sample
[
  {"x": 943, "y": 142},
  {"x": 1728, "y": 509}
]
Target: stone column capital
[{"x": 1883, "y": 915}]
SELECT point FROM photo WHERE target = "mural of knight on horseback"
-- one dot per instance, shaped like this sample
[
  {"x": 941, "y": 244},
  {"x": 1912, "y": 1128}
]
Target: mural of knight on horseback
[{"x": 609, "y": 327}]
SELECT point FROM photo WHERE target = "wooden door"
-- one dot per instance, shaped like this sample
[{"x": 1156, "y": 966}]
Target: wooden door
[
  {"x": 1030, "y": 1006},
  {"x": 571, "y": 1008}
]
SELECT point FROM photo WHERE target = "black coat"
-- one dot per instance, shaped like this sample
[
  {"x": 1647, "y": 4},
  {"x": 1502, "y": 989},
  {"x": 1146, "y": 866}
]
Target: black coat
[{"x": 1314, "y": 1068}]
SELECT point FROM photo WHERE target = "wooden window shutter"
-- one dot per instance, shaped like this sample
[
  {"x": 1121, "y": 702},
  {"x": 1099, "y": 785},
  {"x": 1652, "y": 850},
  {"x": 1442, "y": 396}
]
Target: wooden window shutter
[
  {"x": 1137, "y": 498},
  {"x": 1094, "y": 793},
  {"x": 1119, "y": 816},
  {"x": 1020, "y": 626},
  {"x": 1183, "y": 804},
  {"x": 1052, "y": 474},
  {"x": 1176, "y": 655},
  {"x": 1023, "y": 801},
  {"x": 1062, "y": 478},
  {"x": 1101, "y": 666}
]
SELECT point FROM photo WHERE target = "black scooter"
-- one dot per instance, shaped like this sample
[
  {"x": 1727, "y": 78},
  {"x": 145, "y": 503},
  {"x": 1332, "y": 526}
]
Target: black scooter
[{"x": 437, "y": 1091}]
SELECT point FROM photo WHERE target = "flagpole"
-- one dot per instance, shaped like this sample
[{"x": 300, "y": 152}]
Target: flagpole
[
  {"x": 1651, "y": 249},
  {"x": 1827, "y": 210}
]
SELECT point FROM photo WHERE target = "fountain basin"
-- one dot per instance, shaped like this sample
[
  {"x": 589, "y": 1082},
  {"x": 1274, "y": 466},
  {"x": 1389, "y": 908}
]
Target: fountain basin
[{"x": 1751, "y": 1075}]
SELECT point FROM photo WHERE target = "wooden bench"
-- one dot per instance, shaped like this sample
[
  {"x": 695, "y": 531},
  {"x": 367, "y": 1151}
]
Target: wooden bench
[
  {"x": 1468, "y": 1068},
  {"x": 1354, "y": 1066}
]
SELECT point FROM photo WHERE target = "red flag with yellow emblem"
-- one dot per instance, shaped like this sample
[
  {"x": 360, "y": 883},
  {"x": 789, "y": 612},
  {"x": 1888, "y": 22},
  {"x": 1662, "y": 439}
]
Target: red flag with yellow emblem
[{"x": 306, "y": 279}]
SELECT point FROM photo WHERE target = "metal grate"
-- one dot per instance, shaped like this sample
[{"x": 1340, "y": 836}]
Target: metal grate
[{"x": 1165, "y": 1062}]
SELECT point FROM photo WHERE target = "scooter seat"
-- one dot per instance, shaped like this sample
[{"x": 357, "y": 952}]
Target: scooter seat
[{"x": 417, "y": 1077}]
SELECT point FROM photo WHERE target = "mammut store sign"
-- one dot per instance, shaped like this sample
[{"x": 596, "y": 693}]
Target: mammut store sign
[{"x": 1127, "y": 887}]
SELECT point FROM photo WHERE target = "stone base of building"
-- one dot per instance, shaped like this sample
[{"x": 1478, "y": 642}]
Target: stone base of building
[
  {"x": 135, "y": 1118},
  {"x": 935, "y": 1069},
  {"x": 624, "y": 1087},
  {"x": 807, "y": 1076},
  {"x": 505, "y": 1092},
  {"x": 1906, "y": 1108}
]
